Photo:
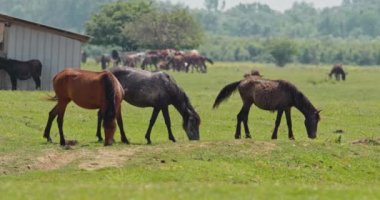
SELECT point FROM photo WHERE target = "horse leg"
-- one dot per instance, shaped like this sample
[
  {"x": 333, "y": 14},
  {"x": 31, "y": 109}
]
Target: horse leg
[
  {"x": 278, "y": 121},
  {"x": 245, "y": 122},
  {"x": 151, "y": 123},
  {"x": 121, "y": 127},
  {"x": 98, "y": 128},
  {"x": 37, "y": 80},
  {"x": 240, "y": 118},
  {"x": 14, "y": 82},
  {"x": 289, "y": 122},
  {"x": 61, "y": 113},
  {"x": 165, "y": 113},
  {"x": 52, "y": 114}
]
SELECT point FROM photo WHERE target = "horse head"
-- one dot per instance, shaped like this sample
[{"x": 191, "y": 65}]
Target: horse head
[
  {"x": 191, "y": 124},
  {"x": 311, "y": 124}
]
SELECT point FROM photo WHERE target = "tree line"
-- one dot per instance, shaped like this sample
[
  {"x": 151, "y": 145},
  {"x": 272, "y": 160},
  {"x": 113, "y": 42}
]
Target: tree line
[{"x": 347, "y": 33}]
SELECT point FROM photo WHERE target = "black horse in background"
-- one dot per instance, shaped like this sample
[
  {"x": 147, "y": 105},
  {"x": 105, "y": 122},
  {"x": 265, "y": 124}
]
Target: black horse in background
[
  {"x": 22, "y": 70},
  {"x": 158, "y": 90}
]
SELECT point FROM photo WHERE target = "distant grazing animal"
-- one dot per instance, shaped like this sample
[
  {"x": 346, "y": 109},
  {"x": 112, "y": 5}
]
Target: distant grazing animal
[
  {"x": 338, "y": 72},
  {"x": 272, "y": 95},
  {"x": 197, "y": 61},
  {"x": 158, "y": 90},
  {"x": 177, "y": 62},
  {"x": 22, "y": 70},
  {"x": 253, "y": 72},
  {"x": 84, "y": 57},
  {"x": 151, "y": 59},
  {"x": 105, "y": 61},
  {"x": 115, "y": 58},
  {"x": 90, "y": 90},
  {"x": 132, "y": 59}
]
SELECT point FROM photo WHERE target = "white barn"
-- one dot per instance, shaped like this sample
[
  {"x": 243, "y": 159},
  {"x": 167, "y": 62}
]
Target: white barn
[{"x": 24, "y": 40}]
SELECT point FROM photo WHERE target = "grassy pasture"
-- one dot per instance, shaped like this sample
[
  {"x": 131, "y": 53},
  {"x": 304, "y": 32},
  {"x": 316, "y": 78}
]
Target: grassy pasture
[{"x": 218, "y": 167}]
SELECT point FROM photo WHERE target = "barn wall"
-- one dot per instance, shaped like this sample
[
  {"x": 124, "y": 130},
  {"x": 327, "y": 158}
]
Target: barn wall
[{"x": 54, "y": 51}]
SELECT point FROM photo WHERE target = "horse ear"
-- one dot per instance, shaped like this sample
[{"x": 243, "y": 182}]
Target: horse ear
[{"x": 318, "y": 111}]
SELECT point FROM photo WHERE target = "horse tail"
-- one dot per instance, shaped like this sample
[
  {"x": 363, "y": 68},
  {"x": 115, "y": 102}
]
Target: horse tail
[
  {"x": 109, "y": 89},
  {"x": 225, "y": 93},
  {"x": 209, "y": 60}
]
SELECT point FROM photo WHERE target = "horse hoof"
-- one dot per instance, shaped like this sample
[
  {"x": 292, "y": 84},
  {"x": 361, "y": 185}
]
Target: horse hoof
[
  {"x": 248, "y": 136},
  {"x": 292, "y": 138},
  {"x": 274, "y": 138},
  {"x": 237, "y": 137},
  {"x": 125, "y": 141},
  {"x": 149, "y": 142}
]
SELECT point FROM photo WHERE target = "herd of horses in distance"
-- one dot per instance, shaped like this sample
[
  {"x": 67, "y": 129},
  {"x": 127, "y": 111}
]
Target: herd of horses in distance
[
  {"x": 107, "y": 89},
  {"x": 162, "y": 59}
]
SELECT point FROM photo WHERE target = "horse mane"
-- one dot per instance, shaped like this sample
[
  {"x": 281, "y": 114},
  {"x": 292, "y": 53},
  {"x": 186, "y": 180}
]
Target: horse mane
[
  {"x": 182, "y": 98},
  {"x": 301, "y": 102}
]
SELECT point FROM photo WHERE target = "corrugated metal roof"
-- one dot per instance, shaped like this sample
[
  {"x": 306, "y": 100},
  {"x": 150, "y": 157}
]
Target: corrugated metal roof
[{"x": 65, "y": 33}]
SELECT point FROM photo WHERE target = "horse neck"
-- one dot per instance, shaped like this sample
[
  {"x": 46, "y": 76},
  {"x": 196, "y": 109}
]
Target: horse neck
[
  {"x": 303, "y": 104},
  {"x": 181, "y": 104}
]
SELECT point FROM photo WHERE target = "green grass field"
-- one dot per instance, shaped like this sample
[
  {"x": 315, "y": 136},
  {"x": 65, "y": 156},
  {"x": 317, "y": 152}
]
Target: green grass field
[{"x": 334, "y": 166}]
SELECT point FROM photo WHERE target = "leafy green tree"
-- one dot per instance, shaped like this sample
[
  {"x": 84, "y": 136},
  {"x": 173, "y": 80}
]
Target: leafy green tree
[
  {"x": 106, "y": 27},
  {"x": 282, "y": 51},
  {"x": 172, "y": 29}
]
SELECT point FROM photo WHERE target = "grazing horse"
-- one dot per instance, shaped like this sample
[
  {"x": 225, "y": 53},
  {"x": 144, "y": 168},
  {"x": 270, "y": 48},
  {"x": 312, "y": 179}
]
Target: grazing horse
[
  {"x": 197, "y": 61},
  {"x": 158, "y": 90},
  {"x": 22, "y": 70},
  {"x": 90, "y": 90},
  {"x": 151, "y": 59},
  {"x": 253, "y": 72},
  {"x": 105, "y": 61},
  {"x": 271, "y": 95},
  {"x": 338, "y": 72},
  {"x": 115, "y": 58}
]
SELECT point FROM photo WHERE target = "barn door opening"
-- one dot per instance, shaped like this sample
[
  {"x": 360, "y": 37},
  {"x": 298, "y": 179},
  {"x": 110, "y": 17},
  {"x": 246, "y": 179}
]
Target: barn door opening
[{"x": 2, "y": 39}]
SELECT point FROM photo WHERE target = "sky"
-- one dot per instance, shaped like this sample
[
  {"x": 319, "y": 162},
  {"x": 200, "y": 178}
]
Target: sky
[{"x": 279, "y": 5}]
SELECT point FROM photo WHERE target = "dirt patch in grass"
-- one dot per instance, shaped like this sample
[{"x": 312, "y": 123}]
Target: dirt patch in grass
[
  {"x": 105, "y": 158},
  {"x": 86, "y": 159},
  {"x": 56, "y": 159}
]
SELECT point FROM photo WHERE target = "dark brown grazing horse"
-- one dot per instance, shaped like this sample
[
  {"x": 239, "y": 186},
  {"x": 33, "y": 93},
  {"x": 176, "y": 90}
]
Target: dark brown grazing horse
[
  {"x": 253, "y": 72},
  {"x": 151, "y": 59},
  {"x": 338, "y": 72},
  {"x": 105, "y": 61},
  {"x": 158, "y": 90},
  {"x": 90, "y": 90},
  {"x": 271, "y": 95},
  {"x": 198, "y": 62},
  {"x": 22, "y": 70}
]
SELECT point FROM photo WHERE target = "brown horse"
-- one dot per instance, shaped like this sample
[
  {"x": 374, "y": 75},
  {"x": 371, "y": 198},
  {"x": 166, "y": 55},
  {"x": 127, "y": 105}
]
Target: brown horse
[
  {"x": 338, "y": 72},
  {"x": 253, "y": 72},
  {"x": 90, "y": 90},
  {"x": 271, "y": 95},
  {"x": 158, "y": 90},
  {"x": 22, "y": 70}
]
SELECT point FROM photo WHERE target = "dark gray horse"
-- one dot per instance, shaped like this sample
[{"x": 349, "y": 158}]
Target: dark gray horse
[
  {"x": 338, "y": 72},
  {"x": 272, "y": 95},
  {"x": 157, "y": 90},
  {"x": 22, "y": 70}
]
